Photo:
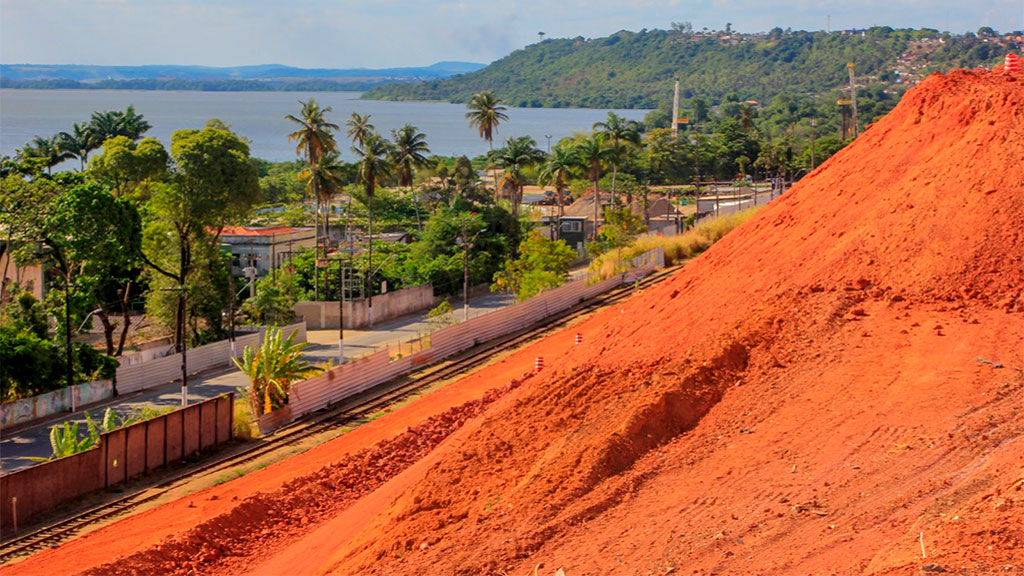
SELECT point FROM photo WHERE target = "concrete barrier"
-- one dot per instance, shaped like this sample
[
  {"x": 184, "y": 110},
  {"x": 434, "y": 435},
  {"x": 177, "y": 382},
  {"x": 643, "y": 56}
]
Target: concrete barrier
[{"x": 324, "y": 315}]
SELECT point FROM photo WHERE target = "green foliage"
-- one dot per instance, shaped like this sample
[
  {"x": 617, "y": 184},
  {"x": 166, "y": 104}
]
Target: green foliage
[
  {"x": 272, "y": 368},
  {"x": 620, "y": 229},
  {"x": 636, "y": 69},
  {"x": 441, "y": 315},
  {"x": 65, "y": 439},
  {"x": 542, "y": 264},
  {"x": 275, "y": 296},
  {"x": 126, "y": 165},
  {"x": 214, "y": 183}
]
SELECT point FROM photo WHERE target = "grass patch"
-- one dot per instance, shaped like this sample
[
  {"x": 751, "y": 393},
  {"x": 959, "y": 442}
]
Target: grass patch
[
  {"x": 245, "y": 424},
  {"x": 677, "y": 248}
]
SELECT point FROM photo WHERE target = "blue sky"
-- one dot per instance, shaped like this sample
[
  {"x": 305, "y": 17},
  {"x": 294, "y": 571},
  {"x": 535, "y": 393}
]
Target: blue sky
[{"x": 384, "y": 33}]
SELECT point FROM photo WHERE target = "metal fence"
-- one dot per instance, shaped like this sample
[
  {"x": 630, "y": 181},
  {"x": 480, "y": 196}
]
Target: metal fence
[
  {"x": 121, "y": 455},
  {"x": 368, "y": 371}
]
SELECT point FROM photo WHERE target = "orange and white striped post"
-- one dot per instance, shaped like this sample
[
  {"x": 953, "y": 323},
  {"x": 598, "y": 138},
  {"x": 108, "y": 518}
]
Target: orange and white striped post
[
  {"x": 579, "y": 338},
  {"x": 1011, "y": 63},
  {"x": 540, "y": 364}
]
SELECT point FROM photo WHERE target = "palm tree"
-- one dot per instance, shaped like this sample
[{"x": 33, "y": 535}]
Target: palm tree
[
  {"x": 119, "y": 123},
  {"x": 486, "y": 112},
  {"x": 47, "y": 149},
  {"x": 374, "y": 165},
  {"x": 517, "y": 155},
  {"x": 359, "y": 128},
  {"x": 410, "y": 150},
  {"x": 592, "y": 155},
  {"x": 79, "y": 142},
  {"x": 324, "y": 179},
  {"x": 557, "y": 170},
  {"x": 621, "y": 134},
  {"x": 313, "y": 139}
]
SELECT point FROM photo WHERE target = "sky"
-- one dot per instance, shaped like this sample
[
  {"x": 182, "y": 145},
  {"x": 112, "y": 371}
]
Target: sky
[{"x": 392, "y": 33}]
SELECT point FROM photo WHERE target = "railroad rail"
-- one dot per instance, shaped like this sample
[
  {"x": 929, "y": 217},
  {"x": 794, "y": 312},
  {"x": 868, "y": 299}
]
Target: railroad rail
[{"x": 332, "y": 417}]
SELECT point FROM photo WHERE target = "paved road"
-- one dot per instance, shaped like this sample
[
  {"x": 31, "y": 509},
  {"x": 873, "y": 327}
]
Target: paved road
[{"x": 16, "y": 448}]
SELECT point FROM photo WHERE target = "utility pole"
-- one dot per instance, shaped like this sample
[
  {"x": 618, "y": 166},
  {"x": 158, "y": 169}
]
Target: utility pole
[{"x": 341, "y": 311}]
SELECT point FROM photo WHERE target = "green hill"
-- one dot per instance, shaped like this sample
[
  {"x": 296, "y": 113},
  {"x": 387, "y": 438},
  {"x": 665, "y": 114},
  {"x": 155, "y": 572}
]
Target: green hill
[{"x": 636, "y": 69}]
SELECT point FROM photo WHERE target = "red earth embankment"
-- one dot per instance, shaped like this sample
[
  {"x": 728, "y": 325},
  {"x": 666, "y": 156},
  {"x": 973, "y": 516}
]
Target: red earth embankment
[
  {"x": 832, "y": 388},
  {"x": 815, "y": 394}
]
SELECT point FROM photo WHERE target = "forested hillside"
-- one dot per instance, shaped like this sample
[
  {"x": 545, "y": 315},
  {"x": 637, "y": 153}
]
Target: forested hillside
[{"x": 636, "y": 69}]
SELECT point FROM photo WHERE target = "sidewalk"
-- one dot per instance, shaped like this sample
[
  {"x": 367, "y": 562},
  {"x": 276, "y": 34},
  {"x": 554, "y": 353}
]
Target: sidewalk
[{"x": 32, "y": 440}]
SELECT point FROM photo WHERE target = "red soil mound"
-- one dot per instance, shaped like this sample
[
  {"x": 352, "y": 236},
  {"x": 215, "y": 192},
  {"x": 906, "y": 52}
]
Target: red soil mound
[{"x": 816, "y": 394}]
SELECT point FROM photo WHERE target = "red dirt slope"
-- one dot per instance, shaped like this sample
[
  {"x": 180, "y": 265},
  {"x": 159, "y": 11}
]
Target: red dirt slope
[{"x": 819, "y": 393}]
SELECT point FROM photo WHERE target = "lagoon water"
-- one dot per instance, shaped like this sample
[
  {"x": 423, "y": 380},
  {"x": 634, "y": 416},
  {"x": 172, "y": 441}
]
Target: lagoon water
[{"x": 259, "y": 116}]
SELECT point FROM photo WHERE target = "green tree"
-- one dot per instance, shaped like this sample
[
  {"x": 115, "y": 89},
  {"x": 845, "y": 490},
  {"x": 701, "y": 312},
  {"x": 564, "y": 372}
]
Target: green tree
[
  {"x": 113, "y": 123},
  {"x": 409, "y": 153},
  {"x": 620, "y": 229},
  {"x": 592, "y": 155},
  {"x": 313, "y": 139},
  {"x": 374, "y": 165},
  {"x": 213, "y": 184},
  {"x": 48, "y": 150},
  {"x": 276, "y": 295},
  {"x": 126, "y": 164},
  {"x": 485, "y": 114},
  {"x": 558, "y": 169},
  {"x": 359, "y": 128},
  {"x": 78, "y": 143},
  {"x": 82, "y": 233},
  {"x": 517, "y": 155},
  {"x": 542, "y": 264},
  {"x": 272, "y": 368},
  {"x": 622, "y": 136}
]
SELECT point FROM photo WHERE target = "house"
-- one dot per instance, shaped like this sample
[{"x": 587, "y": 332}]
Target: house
[{"x": 264, "y": 248}]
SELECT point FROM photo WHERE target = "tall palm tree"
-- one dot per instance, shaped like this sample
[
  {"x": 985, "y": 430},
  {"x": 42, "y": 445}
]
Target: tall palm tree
[
  {"x": 325, "y": 179},
  {"x": 592, "y": 155},
  {"x": 359, "y": 128},
  {"x": 374, "y": 166},
  {"x": 48, "y": 149},
  {"x": 125, "y": 123},
  {"x": 517, "y": 155},
  {"x": 557, "y": 170},
  {"x": 313, "y": 139},
  {"x": 485, "y": 114},
  {"x": 79, "y": 142},
  {"x": 410, "y": 153},
  {"x": 620, "y": 134}
]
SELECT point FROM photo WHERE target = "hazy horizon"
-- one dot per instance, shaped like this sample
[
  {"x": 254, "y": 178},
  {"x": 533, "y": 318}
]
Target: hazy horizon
[{"x": 404, "y": 33}]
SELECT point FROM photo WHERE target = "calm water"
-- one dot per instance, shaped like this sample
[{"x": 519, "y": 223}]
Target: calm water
[{"x": 259, "y": 116}]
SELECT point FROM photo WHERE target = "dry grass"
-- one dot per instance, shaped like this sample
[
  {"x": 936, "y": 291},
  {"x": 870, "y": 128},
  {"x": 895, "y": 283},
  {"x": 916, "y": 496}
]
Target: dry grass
[
  {"x": 677, "y": 248},
  {"x": 244, "y": 423}
]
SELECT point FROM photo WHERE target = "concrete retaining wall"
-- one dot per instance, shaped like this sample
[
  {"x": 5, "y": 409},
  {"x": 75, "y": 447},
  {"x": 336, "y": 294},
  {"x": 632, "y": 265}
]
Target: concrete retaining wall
[
  {"x": 121, "y": 455},
  {"x": 37, "y": 407},
  {"x": 324, "y": 315}
]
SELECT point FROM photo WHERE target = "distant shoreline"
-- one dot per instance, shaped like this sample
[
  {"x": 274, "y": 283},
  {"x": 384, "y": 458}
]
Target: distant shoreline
[{"x": 179, "y": 85}]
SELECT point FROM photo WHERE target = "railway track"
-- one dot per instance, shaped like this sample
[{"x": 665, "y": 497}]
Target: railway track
[{"x": 331, "y": 418}]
